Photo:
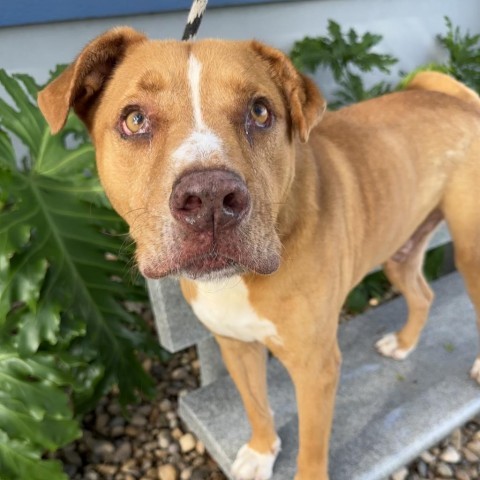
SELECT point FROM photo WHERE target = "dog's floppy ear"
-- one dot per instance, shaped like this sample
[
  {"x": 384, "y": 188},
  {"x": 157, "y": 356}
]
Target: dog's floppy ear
[
  {"x": 81, "y": 83},
  {"x": 305, "y": 102}
]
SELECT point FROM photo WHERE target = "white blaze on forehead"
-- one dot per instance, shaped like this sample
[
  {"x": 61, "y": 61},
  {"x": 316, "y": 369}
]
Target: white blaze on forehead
[
  {"x": 194, "y": 71},
  {"x": 201, "y": 143}
]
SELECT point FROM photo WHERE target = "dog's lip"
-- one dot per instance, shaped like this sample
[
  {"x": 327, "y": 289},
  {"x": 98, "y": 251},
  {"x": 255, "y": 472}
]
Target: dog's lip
[
  {"x": 211, "y": 262},
  {"x": 194, "y": 266}
]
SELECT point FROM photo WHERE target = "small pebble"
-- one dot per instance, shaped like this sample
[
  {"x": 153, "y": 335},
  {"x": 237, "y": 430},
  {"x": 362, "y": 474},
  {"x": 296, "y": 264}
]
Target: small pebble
[
  {"x": 165, "y": 405},
  {"x": 164, "y": 439},
  {"x": 114, "y": 409},
  {"x": 462, "y": 474},
  {"x": 450, "y": 455},
  {"x": 200, "y": 448},
  {"x": 138, "y": 420},
  {"x": 427, "y": 457},
  {"x": 422, "y": 469},
  {"x": 186, "y": 474},
  {"x": 73, "y": 458},
  {"x": 173, "y": 449},
  {"x": 131, "y": 431},
  {"x": 456, "y": 438},
  {"x": 444, "y": 470},
  {"x": 179, "y": 374},
  {"x": 474, "y": 447},
  {"x": 122, "y": 453},
  {"x": 101, "y": 421},
  {"x": 103, "y": 448},
  {"x": 130, "y": 466},
  {"x": 187, "y": 442},
  {"x": 400, "y": 474},
  {"x": 167, "y": 472},
  {"x": 107, "y": 470},
  {"x": 117, "y": 431},
  {"x": 470, "y": 456}
]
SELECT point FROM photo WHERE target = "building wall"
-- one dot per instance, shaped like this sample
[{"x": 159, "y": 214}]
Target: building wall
[{"x": 409, "y": 28}]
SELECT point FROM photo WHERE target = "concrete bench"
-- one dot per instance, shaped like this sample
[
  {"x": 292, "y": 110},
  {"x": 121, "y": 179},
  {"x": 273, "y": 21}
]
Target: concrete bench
[{"x": 387, "y": 412}]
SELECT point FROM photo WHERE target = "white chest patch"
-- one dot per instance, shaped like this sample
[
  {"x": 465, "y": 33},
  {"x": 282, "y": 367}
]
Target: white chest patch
[
  {"x": 224, "y": 308},
  {"x": 201, "y": 143}
]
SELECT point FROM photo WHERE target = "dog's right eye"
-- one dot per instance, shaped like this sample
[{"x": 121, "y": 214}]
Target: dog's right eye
[{"x": 134, "y": 123}]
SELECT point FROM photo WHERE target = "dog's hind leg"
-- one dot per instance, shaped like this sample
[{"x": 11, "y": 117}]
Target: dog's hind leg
[
  {"x": 404, "y": 270},
  {"x": 462, "y": 212},
  {"x": 467, "y": 260}
]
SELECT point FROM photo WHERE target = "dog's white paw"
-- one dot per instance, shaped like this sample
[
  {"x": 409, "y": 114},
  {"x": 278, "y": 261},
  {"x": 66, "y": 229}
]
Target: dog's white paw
[
  {"x": 388, "y": 347},
  {"x": 475, "y": 371},
  {"x": 252, "y": 465}
]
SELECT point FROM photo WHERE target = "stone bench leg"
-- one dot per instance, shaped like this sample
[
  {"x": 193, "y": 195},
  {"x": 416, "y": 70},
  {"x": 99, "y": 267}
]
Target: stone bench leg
[{"x": 211, "y": 363}]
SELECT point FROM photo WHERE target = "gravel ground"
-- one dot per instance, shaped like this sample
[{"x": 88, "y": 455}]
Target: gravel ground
[{"x": 153, "y": 443}]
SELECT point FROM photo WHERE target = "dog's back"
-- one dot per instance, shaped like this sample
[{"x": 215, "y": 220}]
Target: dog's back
[{"x": 440, "y": 82}]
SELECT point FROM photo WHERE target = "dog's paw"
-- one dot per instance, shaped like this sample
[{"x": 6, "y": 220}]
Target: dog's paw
[
  {"x": 388, "y": 347},
  {"x": 475, "y": 371},
  {"x": 252, "y": 465}
]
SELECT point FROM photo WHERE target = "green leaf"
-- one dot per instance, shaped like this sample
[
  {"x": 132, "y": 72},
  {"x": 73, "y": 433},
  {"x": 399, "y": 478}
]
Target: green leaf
[
  {"x": 464, "y": 55},
  {"x": 65, "y": 336},
  {"x": 7, "y": 155},
  {"x": 49, "y": 432},
  {"x": 344, "y": 54},
  {"x": 434, "y": 260},
  {"x": 26, "y": 122},
  {"x": 19, "y": 460},
  {"x": 357, "y": 300},
  {"x": 429, "y": 67},
  {"x": 374, "y": 285},
  {"x": 35, "y": 414},
  {"x": 31, "y": 381},
  {"x": 35, "y": 328}
]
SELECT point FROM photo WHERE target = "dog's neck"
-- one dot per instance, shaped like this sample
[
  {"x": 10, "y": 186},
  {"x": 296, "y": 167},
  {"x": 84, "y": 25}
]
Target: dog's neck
[{"x": 302, "y": 196}]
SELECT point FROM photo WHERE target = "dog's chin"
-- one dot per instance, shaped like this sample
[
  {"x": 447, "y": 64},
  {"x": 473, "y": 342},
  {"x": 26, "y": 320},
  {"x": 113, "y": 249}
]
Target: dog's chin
[{"x": 210, "y": 267}]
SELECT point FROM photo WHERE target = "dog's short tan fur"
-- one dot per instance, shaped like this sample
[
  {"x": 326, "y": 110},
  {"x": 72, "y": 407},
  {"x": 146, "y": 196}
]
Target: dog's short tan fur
[{"x": 332, "y": 195}]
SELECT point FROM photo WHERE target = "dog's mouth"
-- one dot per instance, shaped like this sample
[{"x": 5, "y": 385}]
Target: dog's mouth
[
  {"x": 210, "y": 265},
  {"x": 216, "y": 263}
]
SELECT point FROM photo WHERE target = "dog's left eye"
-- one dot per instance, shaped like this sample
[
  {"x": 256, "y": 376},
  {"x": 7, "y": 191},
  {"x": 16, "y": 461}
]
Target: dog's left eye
[
  {"x": 134, "y": 123},
  {"x": 260, "y": 114}
]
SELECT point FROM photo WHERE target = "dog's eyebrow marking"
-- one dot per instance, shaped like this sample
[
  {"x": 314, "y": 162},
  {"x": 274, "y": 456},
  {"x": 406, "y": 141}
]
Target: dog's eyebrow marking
[
  {"x": 151, "y": 82},
  {"x": 202, "y": 143}
]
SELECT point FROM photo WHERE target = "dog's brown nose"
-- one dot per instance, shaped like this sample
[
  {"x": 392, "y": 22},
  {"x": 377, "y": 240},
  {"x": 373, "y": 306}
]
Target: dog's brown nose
[{"x": 209, "y": 200}]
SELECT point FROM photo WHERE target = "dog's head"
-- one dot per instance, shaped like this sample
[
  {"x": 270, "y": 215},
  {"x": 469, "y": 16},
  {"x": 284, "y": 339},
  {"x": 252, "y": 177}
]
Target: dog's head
[{"x": 194, "y": 144}]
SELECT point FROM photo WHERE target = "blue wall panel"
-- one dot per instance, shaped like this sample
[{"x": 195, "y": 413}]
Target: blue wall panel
[{"x": 23, "y": 12}]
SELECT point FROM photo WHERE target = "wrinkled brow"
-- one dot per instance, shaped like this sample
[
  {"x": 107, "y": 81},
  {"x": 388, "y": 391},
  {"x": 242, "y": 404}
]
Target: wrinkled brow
[{"x": 151, "y": 82}]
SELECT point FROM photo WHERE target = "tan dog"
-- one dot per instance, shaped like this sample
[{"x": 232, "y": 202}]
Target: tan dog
[{"x": 215, "y": 155}]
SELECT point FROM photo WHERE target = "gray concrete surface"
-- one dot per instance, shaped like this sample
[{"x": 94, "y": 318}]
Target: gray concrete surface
[
  {"x": 387, "y": 412},
  {"x": 176, "y": 324}
]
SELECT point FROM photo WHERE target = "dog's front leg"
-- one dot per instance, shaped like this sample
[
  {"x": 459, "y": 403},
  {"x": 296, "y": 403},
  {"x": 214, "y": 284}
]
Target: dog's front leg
[
  {"x": 314, "y": 368},
  {"x": 246, "y": 363}
]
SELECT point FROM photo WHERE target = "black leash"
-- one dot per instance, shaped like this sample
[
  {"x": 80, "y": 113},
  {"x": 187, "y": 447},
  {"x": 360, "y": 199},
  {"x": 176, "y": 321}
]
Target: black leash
[{"x": 194, "y": 19}]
